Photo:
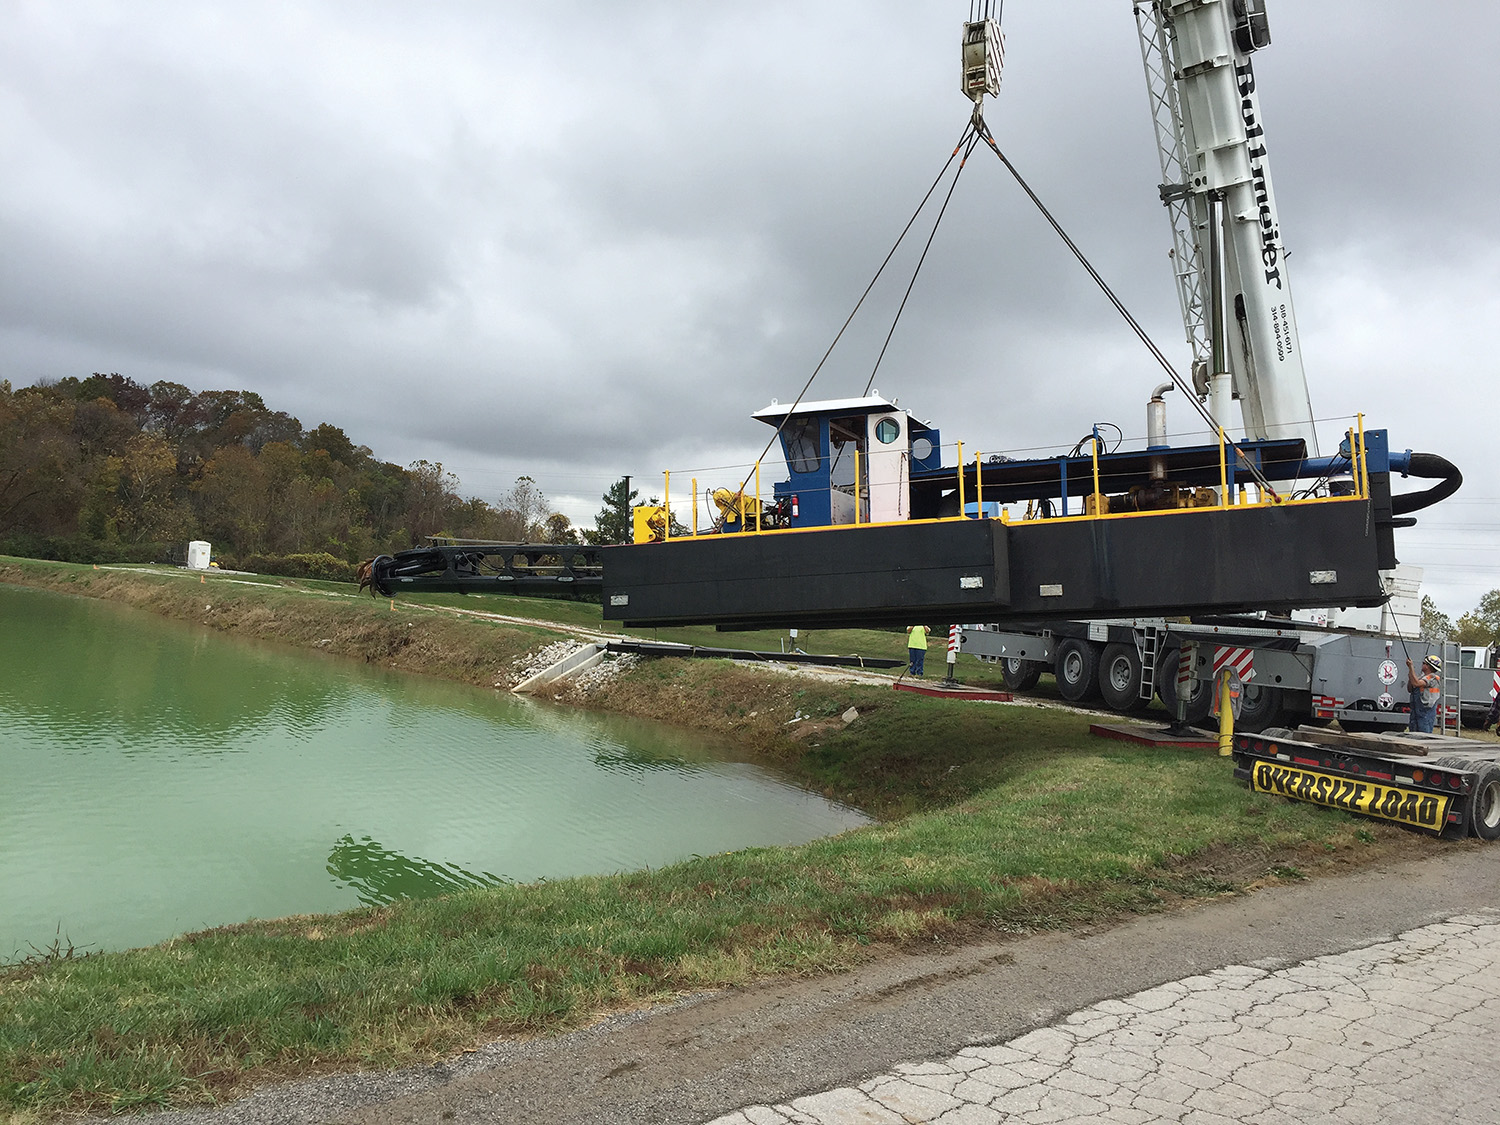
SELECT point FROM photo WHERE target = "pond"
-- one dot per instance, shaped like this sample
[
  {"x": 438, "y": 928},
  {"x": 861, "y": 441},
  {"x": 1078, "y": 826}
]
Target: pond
[{"x": 158, "y": 778}]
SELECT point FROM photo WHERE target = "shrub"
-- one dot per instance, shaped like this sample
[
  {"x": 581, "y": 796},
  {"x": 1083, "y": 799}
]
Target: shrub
[
  {"x": 320, "y": 565},
  {"x": 80, "y": 549}
]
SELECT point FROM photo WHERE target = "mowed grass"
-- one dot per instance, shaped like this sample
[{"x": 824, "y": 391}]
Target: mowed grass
[{"x": 418, "y": 633}]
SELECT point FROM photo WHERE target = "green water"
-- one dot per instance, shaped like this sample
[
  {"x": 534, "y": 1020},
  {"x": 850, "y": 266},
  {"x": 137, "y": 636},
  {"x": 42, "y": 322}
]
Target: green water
[{"x": 157, "y": 778}]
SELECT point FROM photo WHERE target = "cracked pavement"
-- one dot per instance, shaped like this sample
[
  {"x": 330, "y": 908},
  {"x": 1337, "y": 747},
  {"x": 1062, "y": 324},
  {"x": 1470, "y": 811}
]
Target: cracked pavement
[{"x": 1404, "y": 1029}]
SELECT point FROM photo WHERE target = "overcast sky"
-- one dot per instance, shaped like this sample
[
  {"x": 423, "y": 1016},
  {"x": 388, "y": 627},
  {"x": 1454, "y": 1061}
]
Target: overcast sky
[{"x": 587, "y": 240}]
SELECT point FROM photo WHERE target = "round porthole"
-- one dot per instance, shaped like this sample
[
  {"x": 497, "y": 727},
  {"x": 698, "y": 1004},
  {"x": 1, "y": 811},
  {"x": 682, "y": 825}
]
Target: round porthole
[
  {"x": 921, "y": 449},
  {"x": 887, "y": 430}
]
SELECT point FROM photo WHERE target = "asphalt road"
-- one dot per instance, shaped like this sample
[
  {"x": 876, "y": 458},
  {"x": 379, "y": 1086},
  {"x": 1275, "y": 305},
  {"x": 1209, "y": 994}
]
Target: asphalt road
[{"x": 709, "y": 1056}]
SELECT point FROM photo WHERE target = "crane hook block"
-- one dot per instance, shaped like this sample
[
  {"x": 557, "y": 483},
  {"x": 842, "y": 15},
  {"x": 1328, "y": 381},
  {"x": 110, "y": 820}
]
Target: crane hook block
[{"x": 984, "y": 55}]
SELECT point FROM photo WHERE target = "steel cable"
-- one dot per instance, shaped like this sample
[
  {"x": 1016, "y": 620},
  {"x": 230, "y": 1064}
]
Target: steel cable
[
  {"x": 966, "y": 138},
  {"x": 974, "y": 140},
  {"x": 1187, "y": 390}
]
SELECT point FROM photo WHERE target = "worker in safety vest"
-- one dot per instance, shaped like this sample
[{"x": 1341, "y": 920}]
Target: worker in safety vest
[
  {"x": 1425, "y": 690},
  {"x": 916, "y": 647}
]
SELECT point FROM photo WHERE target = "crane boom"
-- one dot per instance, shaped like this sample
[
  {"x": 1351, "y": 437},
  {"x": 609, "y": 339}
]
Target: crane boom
[{"x": 1212, "y": 142}]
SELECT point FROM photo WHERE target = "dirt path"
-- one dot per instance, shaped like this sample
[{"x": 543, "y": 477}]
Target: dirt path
[{"x": 706, "y": 1056}]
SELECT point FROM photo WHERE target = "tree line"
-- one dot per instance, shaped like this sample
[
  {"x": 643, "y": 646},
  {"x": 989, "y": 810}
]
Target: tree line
[
  {"x": 107, "y": 469},
  {"x": 1479, "y": 626}
]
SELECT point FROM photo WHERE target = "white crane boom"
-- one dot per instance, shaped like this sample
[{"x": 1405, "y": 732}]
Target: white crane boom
[{"x": 1228, "y": 255}]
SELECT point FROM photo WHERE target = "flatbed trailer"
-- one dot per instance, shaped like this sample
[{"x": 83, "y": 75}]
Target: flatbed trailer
[{"x": 1442, "y": 784}]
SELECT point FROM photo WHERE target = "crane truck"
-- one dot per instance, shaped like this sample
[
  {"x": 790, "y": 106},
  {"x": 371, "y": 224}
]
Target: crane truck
[{"x": 1234, "y": 290}]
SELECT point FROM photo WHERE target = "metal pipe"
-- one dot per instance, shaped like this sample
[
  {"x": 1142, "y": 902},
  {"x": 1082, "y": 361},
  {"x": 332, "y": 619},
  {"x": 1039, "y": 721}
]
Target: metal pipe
[
  {"x": 1220, "y": 383},
  {"x": 1223, "y": 472},
  {"x": 1156, "y": 430},
  {"x": 1095, "y": 445},
  {"x": 961, "y": 512},
  {"x": 856, "y": 484}
]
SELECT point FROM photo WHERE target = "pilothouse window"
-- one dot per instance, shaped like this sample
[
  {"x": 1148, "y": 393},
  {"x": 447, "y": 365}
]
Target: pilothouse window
[{"x": 802, "y": 445}]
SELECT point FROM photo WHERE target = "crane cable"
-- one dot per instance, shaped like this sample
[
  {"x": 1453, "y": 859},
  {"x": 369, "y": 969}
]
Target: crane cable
[
  {"x": 1188, "y": 392},
  {"x": 973, "y": 140},
  {"x": 968, "y": 138}
]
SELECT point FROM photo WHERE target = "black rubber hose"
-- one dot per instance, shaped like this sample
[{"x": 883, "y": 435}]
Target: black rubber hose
[
  {"x": 1428, "y": 466},
  {"x": 373, "y": 575}
]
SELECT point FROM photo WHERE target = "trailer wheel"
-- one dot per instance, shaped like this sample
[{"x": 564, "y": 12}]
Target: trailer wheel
[
  {"x": 1484, "y": 812},
  {"x": 1200, "y": 692},
  {"x": 1260, "y": 707},
  {"x": 1018, "y": 674},
  {"x": 1120, "y": 678},
  {"x": 1077, "y": 670}
]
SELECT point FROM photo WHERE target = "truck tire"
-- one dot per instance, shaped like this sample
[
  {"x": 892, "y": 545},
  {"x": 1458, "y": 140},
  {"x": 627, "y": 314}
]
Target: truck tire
[
  {"x": 1260, "y": 707},
  {"x": 1018, "y": 674},
  {"x": 1200, "y": 697},
  {"x": 1120, "y": 678},
  {"x": 1297, "y": 710},
  {"x": 1484, "y": 810},
  {"x": 1077, "y": 670}
]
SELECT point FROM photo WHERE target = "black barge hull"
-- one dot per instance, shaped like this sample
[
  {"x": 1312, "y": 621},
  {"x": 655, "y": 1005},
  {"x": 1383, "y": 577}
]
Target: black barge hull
[{"x": 1219, "y": 560}]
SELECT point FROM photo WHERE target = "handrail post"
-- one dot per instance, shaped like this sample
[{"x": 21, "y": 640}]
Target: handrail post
[
  {"x": 1223, "y": 473},
  {"x": 757, "y": 496},
  {"x": 1354, "y": 474},
  {"x": 961, "y": 512},
  {"x": 979, "y": 484},
  {"x": 695, "y": 507},
  {"x": 1364, "y": 460},
  {"x": 666, "y": 503}
]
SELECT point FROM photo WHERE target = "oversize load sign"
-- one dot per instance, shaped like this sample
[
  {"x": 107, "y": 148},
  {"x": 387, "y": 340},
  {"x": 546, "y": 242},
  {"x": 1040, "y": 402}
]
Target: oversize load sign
[{"x": 1425, "y": 810}]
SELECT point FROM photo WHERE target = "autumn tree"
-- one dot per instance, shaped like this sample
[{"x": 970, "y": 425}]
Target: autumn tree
[
  {"x": 431, "y": 499},
  {"x": 106, "y": 464},
  {"x": 1481, "y": 625},
  {"x": 41, "y": 470},
  {"x": 1435, "y": 624},
  {"x": 146, "y": 508},
  {"x": 559, "y": 529}
]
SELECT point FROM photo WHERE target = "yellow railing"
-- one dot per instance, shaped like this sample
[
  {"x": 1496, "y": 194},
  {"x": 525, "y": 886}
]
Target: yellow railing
[{"x": 1231, "y": 492}]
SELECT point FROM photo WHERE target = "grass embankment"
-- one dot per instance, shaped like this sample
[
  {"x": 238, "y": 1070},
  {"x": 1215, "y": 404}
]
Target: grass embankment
[
  {"x": 1014, "y": 819},
  {"x": 448, "y": 635}
]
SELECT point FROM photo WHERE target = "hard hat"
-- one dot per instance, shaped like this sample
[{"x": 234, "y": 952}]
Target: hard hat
[{"x": 1434, "y": 661}]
